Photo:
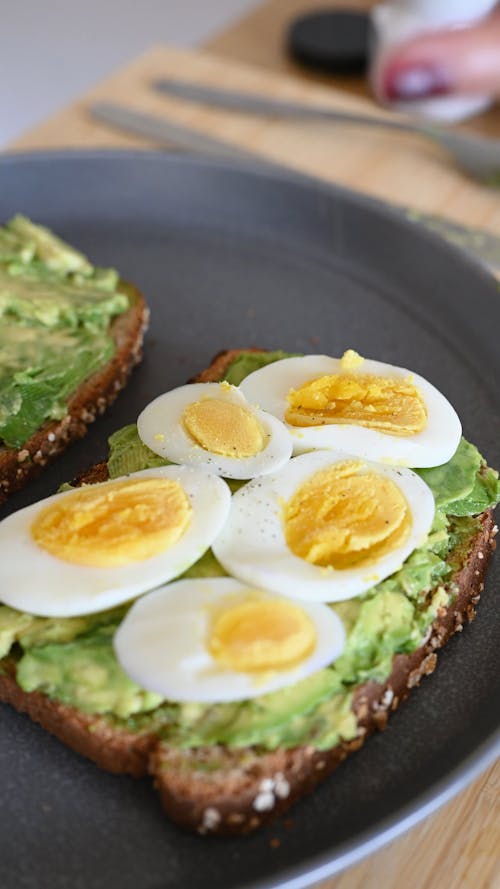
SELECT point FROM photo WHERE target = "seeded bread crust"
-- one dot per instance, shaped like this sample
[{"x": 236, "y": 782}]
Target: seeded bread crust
[
  {"x": 217, "y": 790},
  {"x": 113, "y": 749},
  {"x": 90, "y": 400}
]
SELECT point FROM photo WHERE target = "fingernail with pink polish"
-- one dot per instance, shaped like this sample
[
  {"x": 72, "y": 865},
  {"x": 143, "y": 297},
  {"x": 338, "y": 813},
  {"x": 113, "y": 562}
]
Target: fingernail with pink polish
[{"x": 410, "y": 82}]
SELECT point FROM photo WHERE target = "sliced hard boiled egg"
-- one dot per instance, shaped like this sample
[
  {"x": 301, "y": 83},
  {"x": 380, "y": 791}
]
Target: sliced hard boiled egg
[
  {"x": 212, "y": 426},
  {"x": 327, "y": 527},
  {"x": 97, "y": 546},
  {"x": 215, "y": 639},
  {"x": 367, "y": 408}
]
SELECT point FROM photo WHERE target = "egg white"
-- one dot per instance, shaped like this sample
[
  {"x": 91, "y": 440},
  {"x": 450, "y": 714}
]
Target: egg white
[
  {"x": 33, "y": 580},
  {"x": 253, "y": 548},
  {"x": 161, "y": 428},
  {"x": 436, "y": 444},
  {"x": 161, "y": 644}
]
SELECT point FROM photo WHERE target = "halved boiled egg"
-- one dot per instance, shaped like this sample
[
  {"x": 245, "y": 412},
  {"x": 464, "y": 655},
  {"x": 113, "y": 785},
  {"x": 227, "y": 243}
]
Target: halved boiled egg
[
  {"x": 327, "y": 527},
  {"x": 367, "y": 408},
  {"x": 215, "y": 639},
  {"x": 99, "y": 545},
  {"x": 212, "y": 426}
]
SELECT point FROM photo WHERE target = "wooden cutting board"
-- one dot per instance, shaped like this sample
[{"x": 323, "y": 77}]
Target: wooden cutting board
[
  {"x": 457, "y": 848},
  {"x": 405, "y": 169}
]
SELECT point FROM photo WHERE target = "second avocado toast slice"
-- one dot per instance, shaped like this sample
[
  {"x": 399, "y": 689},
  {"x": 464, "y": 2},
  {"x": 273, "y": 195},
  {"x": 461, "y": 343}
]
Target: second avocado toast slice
[{"x": 70, "y": 335}]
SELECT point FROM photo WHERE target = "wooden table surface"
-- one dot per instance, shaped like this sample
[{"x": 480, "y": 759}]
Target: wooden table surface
[{"x": 459, "y": 845}]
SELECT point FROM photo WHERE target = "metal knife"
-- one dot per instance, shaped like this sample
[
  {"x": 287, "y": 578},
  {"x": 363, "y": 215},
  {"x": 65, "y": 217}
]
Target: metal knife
[
  {"x": 253, "y": 103},
  {"x": 163, "y": 131},
  {"x": 483, "y": 245}
]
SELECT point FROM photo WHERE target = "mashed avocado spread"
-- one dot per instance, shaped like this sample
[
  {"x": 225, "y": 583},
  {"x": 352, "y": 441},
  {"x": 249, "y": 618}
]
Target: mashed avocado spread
[
  {"x": 55, "y": 311},
  {"x": 72, "y": 659}
]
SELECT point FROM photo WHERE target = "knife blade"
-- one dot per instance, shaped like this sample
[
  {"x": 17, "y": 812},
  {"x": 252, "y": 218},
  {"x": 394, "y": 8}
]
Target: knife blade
[
  {"x": 483, "y": 245},
  {"x": 254, "y": 104},
  {"x": 165, "y": 132}
]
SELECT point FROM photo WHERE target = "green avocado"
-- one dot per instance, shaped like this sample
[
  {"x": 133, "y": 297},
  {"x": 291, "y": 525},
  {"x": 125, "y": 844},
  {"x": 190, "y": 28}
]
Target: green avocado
[
  {"x": 55, "y": 311},
  {"x": 127, "y": 453},
  {"x": 453, "y": 480},
  {"x": 72, "y": 659},
  {"x": 12, "y": 624},
  {"x": 46, "y": 247},
  {"x": 247, "y": 362},
  {"x": 384, "y": 624},
  {"x": 85, "y": 674},
  {"x": 254, "y": 722}
]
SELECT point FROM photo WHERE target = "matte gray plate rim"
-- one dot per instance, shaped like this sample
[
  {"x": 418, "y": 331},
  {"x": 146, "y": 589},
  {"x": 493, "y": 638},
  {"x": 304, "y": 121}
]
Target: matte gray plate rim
[
  {"x": 261, "y": 168},
  {"x": 321, "y": 867}
]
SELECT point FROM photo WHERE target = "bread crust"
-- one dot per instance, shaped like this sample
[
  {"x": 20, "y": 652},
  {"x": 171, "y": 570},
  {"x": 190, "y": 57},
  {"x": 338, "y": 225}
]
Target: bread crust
[
  {"x": 228, "y": 791},
  {"x": 113, "y": 749},
  {"x": 93, "y": 396}
]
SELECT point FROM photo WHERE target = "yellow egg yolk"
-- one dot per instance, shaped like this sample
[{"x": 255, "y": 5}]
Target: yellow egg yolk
[
  {"x": 224, "y": 428},
  {"x": 259, "y": 636},
  {"x": 351, "y": 360},
  {"x": 115, "y": 523},
  {"x": 391, "y": 405},
  {"x": 344, "y": 517}
]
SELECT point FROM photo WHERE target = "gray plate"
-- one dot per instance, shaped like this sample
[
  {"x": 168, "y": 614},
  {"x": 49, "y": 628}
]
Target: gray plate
[{"x": 228, "y": 257}]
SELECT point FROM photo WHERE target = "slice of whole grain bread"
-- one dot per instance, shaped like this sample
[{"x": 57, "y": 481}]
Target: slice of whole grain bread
[
  {"x": 93, "y": 396},
  {"x": 219, "y": 790}
]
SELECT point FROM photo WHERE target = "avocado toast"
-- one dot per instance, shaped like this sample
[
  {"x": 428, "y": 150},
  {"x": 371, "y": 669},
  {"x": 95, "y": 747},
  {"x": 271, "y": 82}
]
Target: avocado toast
[
  {"x": 228, "y": 768},
  {"x": 69, "y": 337}
]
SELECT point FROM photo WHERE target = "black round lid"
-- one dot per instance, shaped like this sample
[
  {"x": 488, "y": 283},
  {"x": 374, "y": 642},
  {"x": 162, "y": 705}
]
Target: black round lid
[{"x": 331, "y": 40}]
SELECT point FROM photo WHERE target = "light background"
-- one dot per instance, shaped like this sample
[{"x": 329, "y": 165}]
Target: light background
[{"x": 52, "y": 50}]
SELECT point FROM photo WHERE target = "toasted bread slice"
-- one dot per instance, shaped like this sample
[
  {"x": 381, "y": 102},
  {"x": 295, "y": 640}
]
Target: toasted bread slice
[
  {"x": 91, "y": 398},
  {"x": 222, "y": 790}
]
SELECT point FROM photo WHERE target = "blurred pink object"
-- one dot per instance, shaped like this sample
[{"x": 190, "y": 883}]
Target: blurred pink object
[{"x": 411, "y": 67}]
